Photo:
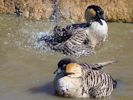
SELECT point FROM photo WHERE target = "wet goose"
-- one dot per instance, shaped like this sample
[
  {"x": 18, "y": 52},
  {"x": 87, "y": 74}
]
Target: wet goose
[
  {"x": 80, "y": 39},
  {"x": 83, "y": 80}
]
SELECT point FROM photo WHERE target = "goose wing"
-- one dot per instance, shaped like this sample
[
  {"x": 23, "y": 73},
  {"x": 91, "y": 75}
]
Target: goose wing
[
  {"x": 76, "y": 44},
  {"x": 97, "y": 66},
  {"x": 64, "y": 34}
]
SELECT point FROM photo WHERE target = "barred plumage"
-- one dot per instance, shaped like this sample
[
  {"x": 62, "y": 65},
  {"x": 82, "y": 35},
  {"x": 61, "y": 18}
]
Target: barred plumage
[
  {"x": 80, "y": 39},
  {"x": 83, "y": 80},
  {"x": 97, "y": 83},
  {"x": 75, "y": 45}
]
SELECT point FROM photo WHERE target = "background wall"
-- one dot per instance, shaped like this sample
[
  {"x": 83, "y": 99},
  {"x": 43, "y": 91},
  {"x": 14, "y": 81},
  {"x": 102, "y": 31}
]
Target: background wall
[{"x": 116, "y": 10}]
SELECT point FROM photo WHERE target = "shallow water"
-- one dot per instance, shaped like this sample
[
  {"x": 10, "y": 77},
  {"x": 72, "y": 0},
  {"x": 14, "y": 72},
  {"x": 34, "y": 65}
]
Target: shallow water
[{"x": 26, "y": 71}]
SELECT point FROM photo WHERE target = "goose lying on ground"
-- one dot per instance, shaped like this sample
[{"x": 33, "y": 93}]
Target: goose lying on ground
[{"x": 83, "y": 80}]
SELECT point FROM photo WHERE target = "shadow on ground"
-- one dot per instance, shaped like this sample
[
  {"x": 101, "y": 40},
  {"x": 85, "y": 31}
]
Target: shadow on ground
[{"x": 47, "y": 88}]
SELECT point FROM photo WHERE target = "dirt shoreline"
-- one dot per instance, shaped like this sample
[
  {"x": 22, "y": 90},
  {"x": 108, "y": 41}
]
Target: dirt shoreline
[{"x": 116, "y": 10}]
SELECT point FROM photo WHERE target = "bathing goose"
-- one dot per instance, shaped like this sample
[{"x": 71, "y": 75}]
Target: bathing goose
[{"x": 80, "y": 39}]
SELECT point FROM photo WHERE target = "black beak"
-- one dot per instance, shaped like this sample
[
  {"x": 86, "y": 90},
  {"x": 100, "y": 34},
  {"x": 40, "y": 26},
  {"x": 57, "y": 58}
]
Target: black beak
[
  {"x": 99, "y": 17},
  {"x": 100, "y": 21},
  {"x": 55, "y": 71}
]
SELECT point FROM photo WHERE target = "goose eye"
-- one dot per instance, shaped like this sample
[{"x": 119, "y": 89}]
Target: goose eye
[
  {"x": 63, "y": 67},
  {"x": 101, "y": 13}
]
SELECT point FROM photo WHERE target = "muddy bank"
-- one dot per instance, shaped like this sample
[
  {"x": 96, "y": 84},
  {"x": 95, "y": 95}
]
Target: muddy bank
[{"x": 116, "y": 10}]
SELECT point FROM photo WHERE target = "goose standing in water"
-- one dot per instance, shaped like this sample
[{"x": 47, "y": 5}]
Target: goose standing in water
[
  {"x": 83, "y": 80},
  {"x": 80, "y": 39}
]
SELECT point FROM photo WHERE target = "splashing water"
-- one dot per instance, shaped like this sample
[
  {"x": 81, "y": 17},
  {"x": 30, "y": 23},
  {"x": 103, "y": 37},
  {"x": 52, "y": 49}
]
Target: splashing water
[
  {"x": 24, "y": 34},
  {"x": 33, "y": 40}
]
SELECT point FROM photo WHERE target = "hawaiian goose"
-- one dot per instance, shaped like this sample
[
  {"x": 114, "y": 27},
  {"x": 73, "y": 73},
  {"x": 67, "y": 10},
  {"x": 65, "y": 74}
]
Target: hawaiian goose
[
  {"x": 83, "y": 80},
  {"x": 80, "y": 39}
]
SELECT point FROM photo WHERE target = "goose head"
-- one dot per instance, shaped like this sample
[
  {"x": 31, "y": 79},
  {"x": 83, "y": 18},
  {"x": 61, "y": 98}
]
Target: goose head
[
  {"x": 94, "y": 13},
  {"x": 62, "y": 65}
]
